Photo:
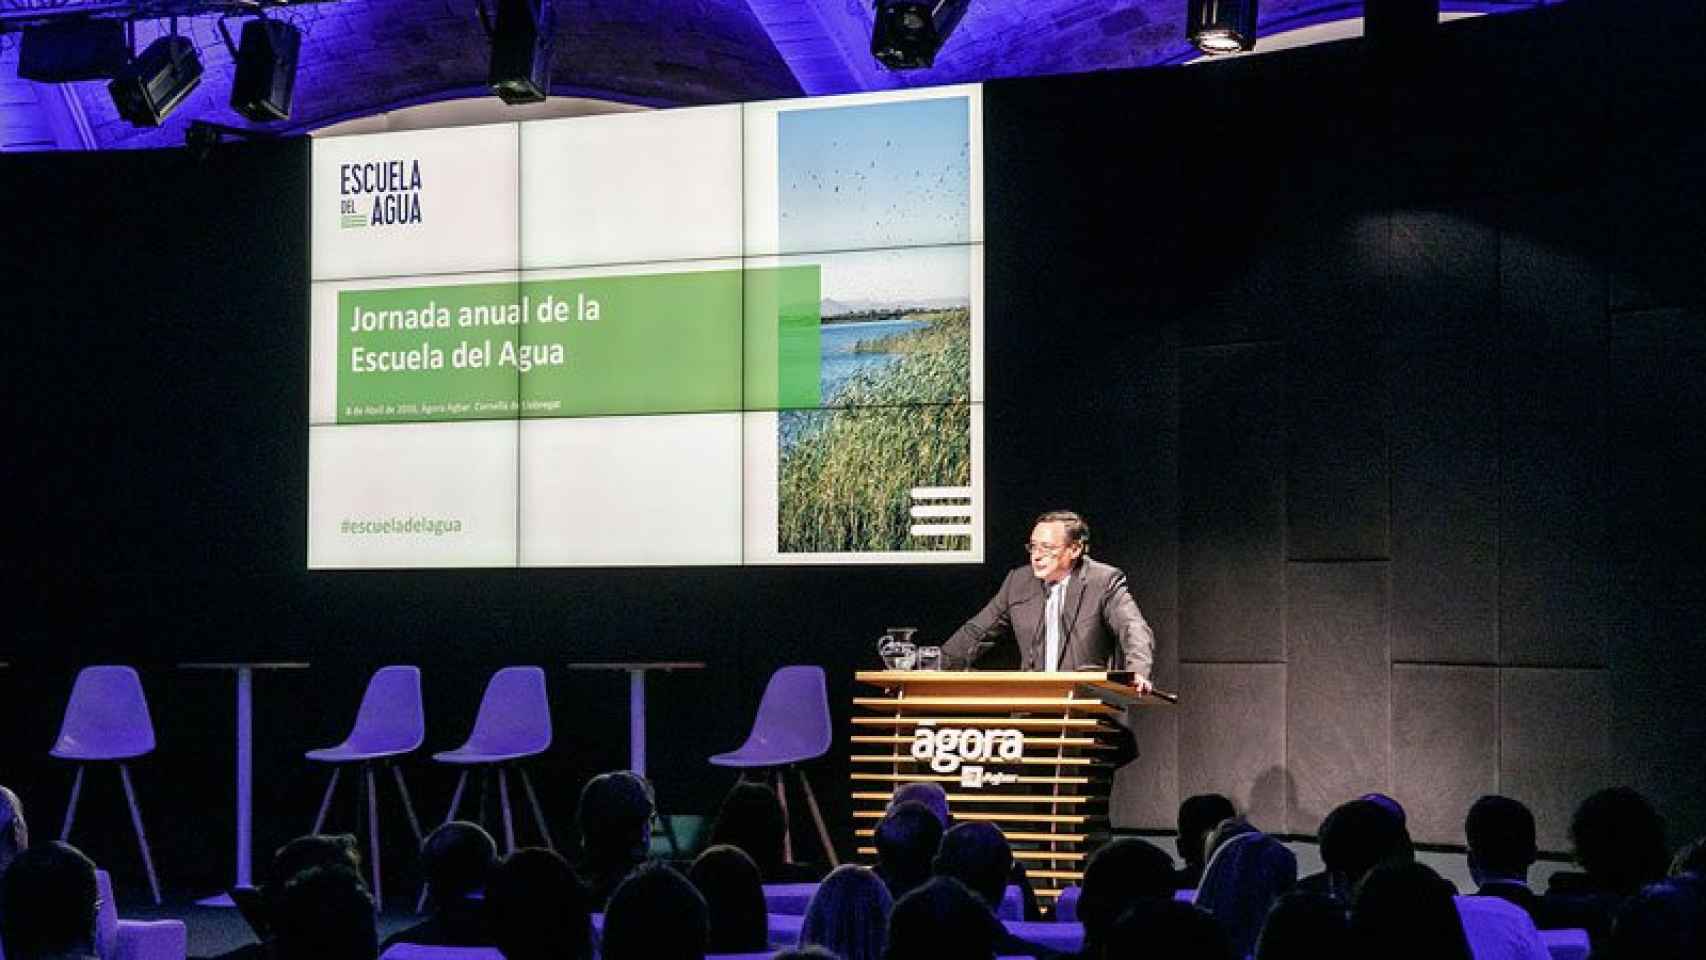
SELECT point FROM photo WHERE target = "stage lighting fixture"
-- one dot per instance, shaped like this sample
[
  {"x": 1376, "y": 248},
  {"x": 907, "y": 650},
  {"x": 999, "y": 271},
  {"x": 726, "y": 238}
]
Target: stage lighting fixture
[
  {"x": 266, "y": 70},
  {"x": 907, "y": 33},
  {"x": 1221, "y": 26},
  {"x": 521, "y": 51},
  {"x": 152, "y": 85},
  {"x": 75, "y": 49}
]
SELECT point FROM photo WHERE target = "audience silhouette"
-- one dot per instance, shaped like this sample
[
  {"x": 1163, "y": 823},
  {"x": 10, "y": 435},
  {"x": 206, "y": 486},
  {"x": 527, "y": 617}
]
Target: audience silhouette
[
  {"x": 655, "y": 914},
  {"x": 1117, "y": 877},
  {"x": 325, "y": 913},
  {"x": 1198, "y": 815},
  {"x": 49, "y": 900},
  {"x": 849, "y": 914},
  {"x": 734, "y": 898},
  {"x": 941, "y": 920},
  {"x": 538, "y": 908},
  {"x": 1240, "y": 883},
  {"x": 616, "y": 830},
  {"x": 1305, "y": 926},
  {"x": 906, "y": 841},
  {"x": 1167, "y": 928},
  {"x": 457, "y": 860},
  {"x": 1406, "y": 911}
]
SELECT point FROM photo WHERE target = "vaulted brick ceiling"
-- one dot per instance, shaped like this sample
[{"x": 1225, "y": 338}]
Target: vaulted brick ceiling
[{"x": 363, "y": 56}]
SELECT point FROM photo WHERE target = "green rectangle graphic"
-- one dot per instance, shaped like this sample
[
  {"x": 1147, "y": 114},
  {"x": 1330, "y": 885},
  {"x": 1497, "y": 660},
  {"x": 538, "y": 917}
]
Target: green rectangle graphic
[
  {"x": 783, "y": 342},
  {"x": 591, "y": 346}
]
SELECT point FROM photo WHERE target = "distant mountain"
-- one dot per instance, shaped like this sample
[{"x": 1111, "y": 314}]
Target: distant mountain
[{"x": 829, "y": 307}]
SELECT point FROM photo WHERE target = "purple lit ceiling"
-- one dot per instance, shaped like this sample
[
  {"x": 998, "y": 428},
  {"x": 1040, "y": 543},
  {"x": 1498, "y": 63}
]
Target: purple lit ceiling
[{"x": 360, "y": 57}]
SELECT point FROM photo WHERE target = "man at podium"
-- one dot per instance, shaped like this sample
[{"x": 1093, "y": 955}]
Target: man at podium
[{"x": 1064, "y": 610}]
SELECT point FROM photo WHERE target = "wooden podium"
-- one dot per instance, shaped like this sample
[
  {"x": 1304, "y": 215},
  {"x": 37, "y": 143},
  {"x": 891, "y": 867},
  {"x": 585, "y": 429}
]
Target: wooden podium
[{"x": 1025, "y": 751}]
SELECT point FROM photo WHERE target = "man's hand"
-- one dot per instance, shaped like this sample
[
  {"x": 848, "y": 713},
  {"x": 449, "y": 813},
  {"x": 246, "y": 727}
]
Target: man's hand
[{"x": 1144, "y": 687}]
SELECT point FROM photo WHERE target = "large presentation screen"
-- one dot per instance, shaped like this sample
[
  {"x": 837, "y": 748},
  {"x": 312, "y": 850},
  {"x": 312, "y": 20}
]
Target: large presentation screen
[{"x": 718, "y": 335}]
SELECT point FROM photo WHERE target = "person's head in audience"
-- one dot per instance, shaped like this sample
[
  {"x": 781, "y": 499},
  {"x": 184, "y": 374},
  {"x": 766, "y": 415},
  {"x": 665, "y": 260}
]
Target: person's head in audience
[
  {"x": 1305, "y": 926},
  {"x": 976, "y": 854},
  {"x": 1619, "y": 841},
  {"x": 1167, "y": 928},
  {"x": 1500, "y": 835},
  {"x": 1223, "y": 831},
  {"x": 538, "y": 908},
  {"x": 656, "y": 914},
  {"x": 14, "y": 833},
  {"x": 734, "y": 896},
  {"x": 1690, "y": 859},
  {"x": 928, "y": 793},
  {"x": 1355, "y": 838},
  {"x": 1665, "y": 921},
  {"x": 849, "y": 914},
  {"x": 941, "y": 920},
  {"x": 456, "y": 859},
  {"x": 1241, "y": 882},
  {"x": 751, "y": 818},
  {"x": 615, "y": 818},
  {"x": 1404, "y": 910},
  {"x": 50, "y": 902},
  {"x": 325, "y": 913},
  {"x": 299, "y": 856},
  {"x": 1197, "y": 816},
  {"x": 1117, "y": 877},
  {"x": 907, "y": 838}
]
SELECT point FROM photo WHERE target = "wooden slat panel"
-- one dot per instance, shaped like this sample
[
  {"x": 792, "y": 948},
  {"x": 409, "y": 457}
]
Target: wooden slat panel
[
  {"x": 915, "y": 777},
  {"x": 1031, "y": 855},
  {"x": 1046, "y": 743},
  {"x": 866, "y": 833},
  {"x": 990, "y": 817},
  {"x": 993, "y": 762},
  {"x": 987, "y": 703},
  {"x": 1036, "y": 723},
  {"x": 956, "y": 798}
]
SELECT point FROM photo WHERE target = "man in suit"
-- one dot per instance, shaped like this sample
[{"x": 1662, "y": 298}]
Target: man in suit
[{"x": 1063, "y": 609}]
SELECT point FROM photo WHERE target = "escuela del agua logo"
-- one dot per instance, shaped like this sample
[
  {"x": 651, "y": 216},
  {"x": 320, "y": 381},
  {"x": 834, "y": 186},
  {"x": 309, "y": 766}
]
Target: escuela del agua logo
[{"x": 378, "y": 193}]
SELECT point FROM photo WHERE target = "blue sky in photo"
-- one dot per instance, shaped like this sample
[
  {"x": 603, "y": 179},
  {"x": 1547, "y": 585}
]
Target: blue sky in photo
[{"x": 876, "y": 175}]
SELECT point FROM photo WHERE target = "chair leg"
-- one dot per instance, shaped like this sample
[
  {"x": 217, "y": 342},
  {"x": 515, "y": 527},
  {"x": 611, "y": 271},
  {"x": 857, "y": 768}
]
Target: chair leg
[
  {"x": 326, "y": 803},
  {"x": 787, "y": 826},
  {"x": 456, "y": 797},
  {"x": 373, "y": 834},
  {"x": 141, "y": 838},
  {"x": 817, "y": 817},
  {"x": 71, "y": 807},
  {"x": 455, "y": 802},
  {"x": 408, "y": 805},
  {"x": 503, "y": 801},
  {"x": 485, "y": 788},
  {"x": 538, "y": 812}
]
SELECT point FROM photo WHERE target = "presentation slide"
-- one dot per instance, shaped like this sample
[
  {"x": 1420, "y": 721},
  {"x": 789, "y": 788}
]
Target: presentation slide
[{"x": 723, "y": 335}]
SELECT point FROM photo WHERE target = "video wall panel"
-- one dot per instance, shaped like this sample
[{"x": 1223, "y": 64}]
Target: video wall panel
[{"x": 726, "y": 335}]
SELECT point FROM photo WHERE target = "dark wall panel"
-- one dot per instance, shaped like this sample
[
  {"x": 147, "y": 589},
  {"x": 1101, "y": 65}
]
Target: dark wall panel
[
  {"x": 1444, "y": 745},
  {"x": 1552, "y": 549},
  {"x": 1445, "y": 454},
  {"x": 1337, "y": 686},
  {"x": 1554, "y": 743},
  {"x": 1231, "y": 503},
  {"x": 1232, "y": 737},
  {"x": 1336, "y": 472}
]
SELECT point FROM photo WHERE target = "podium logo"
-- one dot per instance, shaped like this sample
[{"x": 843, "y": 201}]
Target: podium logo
[
  {"x": 946, "y": 749},
  {"x": 379, "y": 193}
]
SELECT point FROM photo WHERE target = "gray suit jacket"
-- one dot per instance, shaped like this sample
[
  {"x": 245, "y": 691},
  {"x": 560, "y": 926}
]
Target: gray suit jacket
[{"x": 1101, "y": 624}]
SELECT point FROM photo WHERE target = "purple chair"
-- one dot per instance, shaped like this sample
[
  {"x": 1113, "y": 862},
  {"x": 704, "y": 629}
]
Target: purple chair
[
  {"x": 389, "y": 724},
  {"x": 107, "y": 719},
  {"x": 514, "y": 723},
  {"x": 792, "y": 726}
]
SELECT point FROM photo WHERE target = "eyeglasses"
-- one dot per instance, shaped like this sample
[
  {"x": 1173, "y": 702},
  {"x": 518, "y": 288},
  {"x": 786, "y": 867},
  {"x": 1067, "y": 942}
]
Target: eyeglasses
[{"x": 1045, "y": 549}]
